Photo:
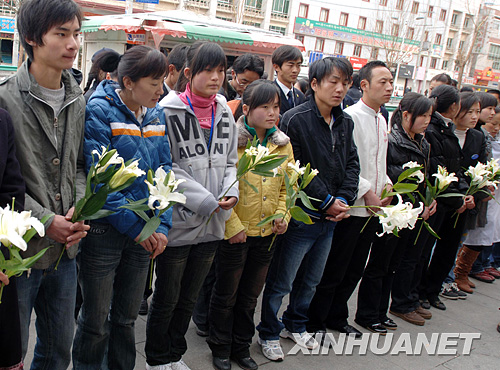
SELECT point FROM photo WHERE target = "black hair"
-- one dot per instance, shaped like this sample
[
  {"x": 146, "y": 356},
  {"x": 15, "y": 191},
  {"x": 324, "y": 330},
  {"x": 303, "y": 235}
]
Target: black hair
[
  {"x": 365, "y": 73},
  {"x": 487, "y": 100},
  {"x": 137, "y": 62},
  {"x": 286, "y": 53},
  {"x": 444, "y": 96},
  {"x": 256, "y": 94},
  {"x": 249, "y": 62},
  {"x": 355, "y": 81},
  {"x": 414, "y": 103},
  {"x": 97, "y": 67},
  {"x": 303, "y": 84},
  {"x": 497, "y": 110},
  {"x": 36, "y": 17},
  {"x": 442, "y": 77},
  {"x": 493, "y": 91},
  {"x": 177, "y": 56},
  {"x": 199, "y": 57},
  {"x": 467, "y": 100},
  {"x": 466, "y": 89},
  {"x": 454, "y": 82},
  {"x": 323, "y": 68}
]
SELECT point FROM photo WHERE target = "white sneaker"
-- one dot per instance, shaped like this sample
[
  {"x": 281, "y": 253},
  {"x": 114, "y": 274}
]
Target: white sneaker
[
  {"x": 271, "y": 349},
  {"x": 304, "y": 339},
  {"x": 159, "y": 367},
  {"x": 179, "y": 365}
]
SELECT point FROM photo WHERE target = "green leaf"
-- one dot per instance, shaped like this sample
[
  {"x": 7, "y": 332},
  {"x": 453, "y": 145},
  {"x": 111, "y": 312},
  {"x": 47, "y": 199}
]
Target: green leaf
[
  {"x": 271, "y": 164},
  {"x": 105, "y": 176},
  {"x": 404, "y": 188},
  {"x": 14, "y": 252},
  {"x": 269, "y": 219},
  {"x": 306, "y": 201},
  {"x": 243, "y": 164},
  {"x": 138, "y": 205},
  {"x": 405, "y": 175},
  {"x": 263, "y": 174},
  {"x": 251, "y": 186},
  {"x": 125, "y": 185},
  {"x": 149, "y": 228},
  {"x": 449, "y": 195},
  {"x": 94, "y": 204},
  {"x": 100, "y": 214},
  {"x": 142, "y": 215},
  {"x": 298, "y": 214},
  {"x": 15, "y": 267},
  {"x": 150, "y": 176},
  {"x": 90, "y": 175},
  {"x": 430, "y": 230}
]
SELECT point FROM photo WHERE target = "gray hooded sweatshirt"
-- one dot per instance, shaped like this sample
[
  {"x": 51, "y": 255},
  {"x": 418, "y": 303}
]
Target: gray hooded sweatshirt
[{"x": 208, "y": 172}]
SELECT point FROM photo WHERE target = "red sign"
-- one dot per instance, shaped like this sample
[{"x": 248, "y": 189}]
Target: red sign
[
  {"x": 357, "y": 63},
  {"x": 137, "y": 37}
]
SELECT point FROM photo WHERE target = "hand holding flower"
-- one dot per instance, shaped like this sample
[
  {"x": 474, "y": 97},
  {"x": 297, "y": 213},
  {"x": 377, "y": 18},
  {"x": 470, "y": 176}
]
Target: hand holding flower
[
  {"x": 372, "y": 201},
  {"x": 279, "y": 226},
  {"x": 227, "y": 203},
  {"x": 387, "y": 200},
  {"x": 338, "y": 210},
  {"x": 63, "y": 231},
  {"x": 469, "y": 201},
  {"x": 4, "y": 278},
  {"x": 433, "y": 207}
]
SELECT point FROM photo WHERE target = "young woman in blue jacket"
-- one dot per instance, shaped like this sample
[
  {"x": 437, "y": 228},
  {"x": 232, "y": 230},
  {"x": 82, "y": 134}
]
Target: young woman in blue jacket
[{"x": 113, "y": 266}]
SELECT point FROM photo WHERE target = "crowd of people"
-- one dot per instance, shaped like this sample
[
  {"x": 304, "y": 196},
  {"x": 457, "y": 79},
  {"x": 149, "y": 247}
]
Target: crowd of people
[{"x": 213, "y": 258}]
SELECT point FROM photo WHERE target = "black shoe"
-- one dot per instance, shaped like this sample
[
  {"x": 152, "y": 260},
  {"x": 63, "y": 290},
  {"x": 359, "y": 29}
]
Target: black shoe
[
  {"x": 246, "y": 363},
  {"x": 436, "y": 303},
  {"x": 143, "y": 310},
  {"x": 349, "y": 329},
  {"x": 221, "y": 363},
  {"x": 390, "y": 324},
  {"x": 202, "y": 333},
  {"x": 425, "y": 303},
  {"x": 374, "y": 328}
]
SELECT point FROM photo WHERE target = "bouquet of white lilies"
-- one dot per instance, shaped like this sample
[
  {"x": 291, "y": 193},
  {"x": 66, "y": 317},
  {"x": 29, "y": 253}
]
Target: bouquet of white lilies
[
  {"x": 103, "y": 179},
  {"x": 16, "y": 230}
]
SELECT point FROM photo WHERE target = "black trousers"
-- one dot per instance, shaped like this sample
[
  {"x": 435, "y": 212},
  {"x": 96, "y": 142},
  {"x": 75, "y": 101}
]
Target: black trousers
[
  {"x": 407, "y": 279},
  {"x": 240, "y": 271},
  {"x": 344, "y": 268},
  {"x": 375, "y": 287}
]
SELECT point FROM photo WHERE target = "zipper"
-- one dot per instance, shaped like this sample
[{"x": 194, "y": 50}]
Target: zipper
[{"x": 376, "y": 157}]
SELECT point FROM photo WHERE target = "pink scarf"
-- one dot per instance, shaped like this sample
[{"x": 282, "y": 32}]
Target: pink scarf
[{"x": 202, "y": 106}]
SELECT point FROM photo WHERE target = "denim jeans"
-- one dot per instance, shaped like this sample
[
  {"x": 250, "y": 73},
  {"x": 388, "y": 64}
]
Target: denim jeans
[
  {"x": 482, "y": 261},
  {"x": 241, "y": 271},
  {"x": 52, "y": 294},
  {"x": 296, "y": 268},
  {"x": 180, "y": 273},
  {"x": 495, "y": 255},
  {"x": 113, "y": 273},
  {"x": 200, "y": 312}
]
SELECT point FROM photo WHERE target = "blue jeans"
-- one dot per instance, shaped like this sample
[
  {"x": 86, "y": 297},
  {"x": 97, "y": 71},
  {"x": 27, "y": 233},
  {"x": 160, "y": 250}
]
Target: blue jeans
[
  {"x": 482, "y": 261},
  {"x": 296, "y": 268},
  {"x": 180, "y": 273},
  {"x": 495, "y": 255},
  {"x": 113, "y": 273},
  {"x": 52, "y": 294}
]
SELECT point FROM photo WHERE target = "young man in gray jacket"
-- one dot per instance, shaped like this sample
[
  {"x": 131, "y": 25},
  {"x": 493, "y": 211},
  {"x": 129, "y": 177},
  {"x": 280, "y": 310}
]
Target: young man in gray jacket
[{"x": 48, "y": 112}]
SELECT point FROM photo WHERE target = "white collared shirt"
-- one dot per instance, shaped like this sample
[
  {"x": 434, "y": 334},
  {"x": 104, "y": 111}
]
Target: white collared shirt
[{"x": 286, "y": 90}]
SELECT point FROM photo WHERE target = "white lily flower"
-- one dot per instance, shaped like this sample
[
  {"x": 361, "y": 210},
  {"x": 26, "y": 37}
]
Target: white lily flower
[
  {"x": 444, "y": 179},
  {"x": 314, "y": 172},
  {"x": 252, "y": 151},
  {"x": 163, "y": 192},
  {"x": 418, "y": 174},
  {"x": 276, "y": 171},
  {"x": 478, "y": 174},
  {"x": 13, "y": 226},
  {"x": 126, "y": 173},
  {"x": 296, "y": 167},
  {"x": 262, "y": 152},
  {"x": 399, "y": 216},
  {"x": 115, "y": 159},
  {"x": 493, "y": 166}
]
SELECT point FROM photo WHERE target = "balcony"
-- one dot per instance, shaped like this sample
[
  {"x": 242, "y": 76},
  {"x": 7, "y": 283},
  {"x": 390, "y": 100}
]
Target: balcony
[
  {"x": 200, "y": 4},
  {"x": 225, "y": 6},
  {"x": 467, "y": 30},
  {"x": 280, "y": 17},
  {"x": 454, "y": 26},
  {"x": 253, "y": 12}
]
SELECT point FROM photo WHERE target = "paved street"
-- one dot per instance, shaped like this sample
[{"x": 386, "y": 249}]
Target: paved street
[{"x": 478, "y": 314}]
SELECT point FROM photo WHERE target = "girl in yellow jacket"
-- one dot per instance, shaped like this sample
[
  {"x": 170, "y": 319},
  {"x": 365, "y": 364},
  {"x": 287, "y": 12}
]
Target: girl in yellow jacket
[{"x": 244, "y": 257}]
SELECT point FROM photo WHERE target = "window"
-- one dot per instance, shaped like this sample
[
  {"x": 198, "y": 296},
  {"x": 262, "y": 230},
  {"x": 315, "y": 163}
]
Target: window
[
  {"x": 454, "y": 19},
  {"x": 449, "y": 43},
  {"x": 362, "y": 23},
  {"x": 303, "y": 10},
  {"x": 438, "y": 39},
  {"x": 414, "y": 7},
  {"x": 281, "y": 30},
  {"x": 426, "y": 36},
  {"x": 320, "y": 44},
  {"x": 339, "y": 48},
  {"x": 343, "y": 19},
  {"x": 374, "y": 54},
  {"x": 467, "y": 22},
  {"x": 383, "y": 2},
  {"x": 254, "y": 4},
  {"x": 379, "y": 26},
  {"x": 495, "y": 65},
  {"x": 324, "y": 14},
  {"x": 411, "y": 32},
  {"x": 300, "y": 38},
  {"x": 281, "y": 6},
  {"x": 445, "y": 64},
  {"x": 399, "y": 4},
  {"x": 357, "y": 51},
  {"x": 395, "y": 30},
  {"x": 494, "y": 53},
  {"x": 421, "y": 62},
  {"x": 430, "y": 11},
  {"x": 442, "y": 15},
  {"x": 461, "y": 45},
  {"x": 433, "y": 63}
]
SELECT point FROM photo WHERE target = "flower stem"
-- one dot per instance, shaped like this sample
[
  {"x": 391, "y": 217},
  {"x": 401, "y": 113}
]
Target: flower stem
[
  {"x": 60, "y": 256},
  {"x": 272, "y": 242},
  {"x": 419, "y": 231},
  {"x": 456, "y": 220},
  {"x": 1, "y": 291}
]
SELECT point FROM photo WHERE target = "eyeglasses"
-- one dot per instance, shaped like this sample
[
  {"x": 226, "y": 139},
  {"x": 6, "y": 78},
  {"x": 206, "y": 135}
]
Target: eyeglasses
[{"x": 239, "y": 83}]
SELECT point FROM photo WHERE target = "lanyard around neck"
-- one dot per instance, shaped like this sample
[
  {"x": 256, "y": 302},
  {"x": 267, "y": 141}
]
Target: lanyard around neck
[{"x": 211, "y": 124}]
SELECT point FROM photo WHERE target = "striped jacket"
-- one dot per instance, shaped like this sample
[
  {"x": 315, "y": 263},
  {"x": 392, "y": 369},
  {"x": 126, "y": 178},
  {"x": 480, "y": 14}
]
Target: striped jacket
[{"x": 109, "y": 123}]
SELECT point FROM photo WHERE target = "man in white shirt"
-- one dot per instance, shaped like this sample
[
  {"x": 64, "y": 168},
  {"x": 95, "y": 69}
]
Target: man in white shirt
[{"x": 350, "y": 246}]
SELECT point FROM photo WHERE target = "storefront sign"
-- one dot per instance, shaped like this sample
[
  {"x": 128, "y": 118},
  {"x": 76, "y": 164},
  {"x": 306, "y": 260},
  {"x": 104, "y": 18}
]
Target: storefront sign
[
  {"x": 136, "y": 38},
  {"x": 7, "y": 24},
  {"x": 357, "y": 63}
]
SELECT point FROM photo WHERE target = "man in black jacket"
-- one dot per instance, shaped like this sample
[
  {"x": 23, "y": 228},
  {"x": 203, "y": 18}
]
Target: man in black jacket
[
  {"x": 320, "y": 134},
  {"x": 286, "y": 62}
]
